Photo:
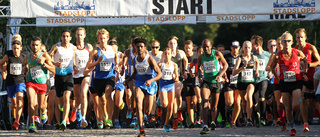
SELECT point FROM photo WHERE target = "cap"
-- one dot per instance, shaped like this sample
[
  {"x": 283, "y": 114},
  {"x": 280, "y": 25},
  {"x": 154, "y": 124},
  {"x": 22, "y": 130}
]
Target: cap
[{"x": 235, "y": 44}]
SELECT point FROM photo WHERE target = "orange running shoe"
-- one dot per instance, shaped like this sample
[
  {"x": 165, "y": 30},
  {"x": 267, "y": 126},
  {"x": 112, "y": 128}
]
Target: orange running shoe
[
  {"x": 284, "y": 127},
  {"x": 159, "y": 112},
  {"x": 293, "y": 132},
  {"x": 15, "y": 125}
]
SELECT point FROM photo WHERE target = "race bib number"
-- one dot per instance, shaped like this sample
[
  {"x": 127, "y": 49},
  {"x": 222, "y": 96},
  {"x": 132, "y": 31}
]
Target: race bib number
[
  {"x": 262, "y": 64},
  {"x": 247, "y": 74},
  {"x": 167, "y": 74},
  {"x": 82, "y": 62},
  {"x": 36, "y": 72},
  {"x": 209, "y": 66},
  {"x": 105, "y": 65},
  {"x": 65, "y": 60},
  {"x": 289, "y": 76},
  {"x": 15, "y": 68},
  {"x": 142, "y": 69},
  {"x": 234, "y": 79}
]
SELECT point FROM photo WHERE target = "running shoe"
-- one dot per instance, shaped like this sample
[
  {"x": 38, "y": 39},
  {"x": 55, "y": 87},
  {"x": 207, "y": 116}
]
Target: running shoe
[
  {"x": 145, "y": 120},
  {"x": 167, "y": 128},
  {"x": 306, "y": 128},
  {"x": 228, "y": 125},
  {"x": 269, "y": 117},
  {"x": 249, "y": 123},
  {"x": 293, "y": 132},
  {"x": 67, "y": 121},
  {"x": 100, "y": 124},
  {"x": 263, "y": 122},
  {"x": 134, "y": 122},
  {"x": 257, "y": 121},
  {"x": 124, "y": 125},
  {"x": 198, "y": 123},
  {"x": 43, "y": 118},
  {"x": 180, "y": 117},
  {"x": 84, "y": 123},
  {"x": 33, "y": 128},
  {"x": 159, "y": 111},
  {"x": 205, "y": 130},
  {"x": 36, "y": 119},
  {"x": 117, "y": 124},
  {"x": 213, "y": 125},
  {"x": 63, "y": 125},
  {"x": 142, "y": 133},
  {"x": 48, "y": 127},
  {"x": 73, "y": 115},
  {"x": 108, "y": 123},
  {"x": 191, "y": 125},
  {"x": 284, "y": 127},
  {"x": 122, "y": 106},
  {"x": 57, "y": 125},
  {"x": 153, "y": 121},
  {"x": 233, "y": 125},
  {"x": 78, "y": 115},
  {"x": 15, "y": 125},
  {"x": 175, "y": 124},
  {"x": 129, "y": 113}
]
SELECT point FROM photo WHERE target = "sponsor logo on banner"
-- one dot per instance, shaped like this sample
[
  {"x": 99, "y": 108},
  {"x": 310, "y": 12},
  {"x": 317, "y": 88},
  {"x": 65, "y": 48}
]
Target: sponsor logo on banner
[
  {"x": 68, "y": 8},
  {"x": 292, "y": 9}
]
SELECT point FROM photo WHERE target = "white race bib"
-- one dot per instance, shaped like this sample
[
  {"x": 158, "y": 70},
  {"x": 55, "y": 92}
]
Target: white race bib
[
  {"x": 289, "y": 76},
  {"x": 209, "y": 66},
  {"x": 247, "y": 74},
  {"x": 234, "y": 79},
  {"x": 65, "y": 60},
  {"x": 36, "y": 72},
  {"x": 167, "y": 74},
  {"x": 262, "y": 64},
  {"x": 15, "y": 68},
  {"x": 142, "y": 69},
  {"x": 105, "y": 65},
  {"x": 82, "y": 62}
]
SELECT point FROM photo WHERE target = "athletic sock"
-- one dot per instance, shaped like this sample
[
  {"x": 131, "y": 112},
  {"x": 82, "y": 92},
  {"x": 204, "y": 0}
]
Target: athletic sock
[{"x": 263, "y": 106}]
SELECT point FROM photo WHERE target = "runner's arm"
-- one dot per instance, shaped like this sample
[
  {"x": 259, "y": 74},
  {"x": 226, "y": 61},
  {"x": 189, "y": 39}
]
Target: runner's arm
[
  {"x": 269, "y": 63},
  {"x": 134, "y": 74},
  {"x": 257, "y": 65},
  {"x": 274, "y": 62},
  {"x": 199, "y": 62},
  {"x": 236, "y": 69},
  {"x": 49, "y": 64},
  {"x": 176, "y": 74},
  {"x": 93, "y": 55},
  {"x": 315, "y": 54},
  {"x": 224, "y": 63},
  {"x": 304, "y": 59},
  {"x": 156, "y": 68}
]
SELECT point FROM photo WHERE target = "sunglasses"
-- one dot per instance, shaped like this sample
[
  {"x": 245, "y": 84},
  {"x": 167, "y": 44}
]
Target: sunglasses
[
  {"x": 154, "y": 47},
  {"x": 272, "y": 45},
  {"x": 286, "y": 40}
]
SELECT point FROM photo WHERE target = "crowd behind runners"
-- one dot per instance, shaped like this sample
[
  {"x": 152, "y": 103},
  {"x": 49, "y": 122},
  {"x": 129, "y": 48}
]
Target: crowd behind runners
[{"x": 79, "y": 85}]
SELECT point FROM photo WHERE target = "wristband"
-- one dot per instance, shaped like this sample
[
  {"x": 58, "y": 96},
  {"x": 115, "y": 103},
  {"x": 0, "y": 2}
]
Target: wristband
[{"x": 43, "y": 64}]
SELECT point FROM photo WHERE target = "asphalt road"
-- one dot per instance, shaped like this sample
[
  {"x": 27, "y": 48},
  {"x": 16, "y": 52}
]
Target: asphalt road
[{"x": 158, "y": 132}]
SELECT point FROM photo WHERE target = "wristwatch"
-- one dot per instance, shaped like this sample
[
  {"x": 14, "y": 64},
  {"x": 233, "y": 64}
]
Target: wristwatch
[{"x": 44, "y": 64}]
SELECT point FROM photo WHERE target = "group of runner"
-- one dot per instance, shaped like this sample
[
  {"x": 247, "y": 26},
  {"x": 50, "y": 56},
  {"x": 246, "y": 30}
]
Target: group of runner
[{"x": 155, "y": 85}]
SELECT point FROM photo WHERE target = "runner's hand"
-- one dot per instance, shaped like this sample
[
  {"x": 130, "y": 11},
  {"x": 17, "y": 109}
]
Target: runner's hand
[
  {"x": 218, "y": 78},
  {"x": 185, "y": 76},
  {"x": 41, "y": 60},
  {"x": 147, "y": 83},
  {"x": 192, "y": 75},
  {"x": 257, "y": 74},
  {"x": 305, "y": 77},
  {"x": 4, "y": 75},
  {"x": 58, "y": 64},
  {"x": 75, "y": 70}
]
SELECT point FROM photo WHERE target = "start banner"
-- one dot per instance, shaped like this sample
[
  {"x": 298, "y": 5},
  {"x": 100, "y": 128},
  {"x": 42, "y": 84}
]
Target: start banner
[
  {"x": 145, "y": 8},
  {"x": 114, "y": 21}
]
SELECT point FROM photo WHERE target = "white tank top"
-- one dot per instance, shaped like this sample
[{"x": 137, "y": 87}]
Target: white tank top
[
  {"x": 81, "y": 58},
  {"x": 167, "y": 71},
  {"x": 143, "y": 68},
  {"x": 108, "y": 60},
  {"x": 65, "y": 55},
  {"x": 156, "y": 57}
]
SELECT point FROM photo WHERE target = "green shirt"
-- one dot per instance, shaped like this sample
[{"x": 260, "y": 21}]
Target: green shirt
[
  {"x": 263, "y": 61},
  {"x": 210, "y": 67},
  {"x": 37, "y": 73}
]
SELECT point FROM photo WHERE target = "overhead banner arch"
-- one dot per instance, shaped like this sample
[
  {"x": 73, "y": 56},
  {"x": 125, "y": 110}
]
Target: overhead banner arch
[{"x": 145, "y": 8}]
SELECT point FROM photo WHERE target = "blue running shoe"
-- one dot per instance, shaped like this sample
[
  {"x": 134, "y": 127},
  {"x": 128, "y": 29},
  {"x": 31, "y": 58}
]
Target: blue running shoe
[
  {"x": 167, "y": 128},
  {"x": 117, "y": 124},
  {"x": 129, "y": 113},
  {"x": 78, "y": 115},
  {"x": 134, "y": 122}
]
